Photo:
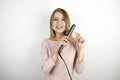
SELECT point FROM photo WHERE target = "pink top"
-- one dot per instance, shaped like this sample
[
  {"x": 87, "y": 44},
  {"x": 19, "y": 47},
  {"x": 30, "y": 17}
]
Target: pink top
[{"x": 58, "y": 71}]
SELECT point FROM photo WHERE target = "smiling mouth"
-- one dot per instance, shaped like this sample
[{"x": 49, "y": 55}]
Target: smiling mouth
[{"x": 59, "y": 27}]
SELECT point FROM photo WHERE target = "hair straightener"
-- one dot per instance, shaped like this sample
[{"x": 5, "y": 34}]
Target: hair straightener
[{"x": 62, "y": 46}]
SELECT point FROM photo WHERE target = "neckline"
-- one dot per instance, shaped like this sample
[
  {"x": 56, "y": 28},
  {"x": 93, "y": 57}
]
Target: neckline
[{"x": 52, "y": 40}]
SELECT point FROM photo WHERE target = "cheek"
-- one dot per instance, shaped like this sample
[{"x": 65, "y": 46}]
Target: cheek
[
  {"x": 53, "y": 27},
  {"x": 64, "y": 26},
  {"x": 63, "y": 23},
  {"x": 53, "y": 23}
]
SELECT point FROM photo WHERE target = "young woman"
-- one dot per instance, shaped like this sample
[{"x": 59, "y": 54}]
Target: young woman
[{"x": 52, "y": 65}]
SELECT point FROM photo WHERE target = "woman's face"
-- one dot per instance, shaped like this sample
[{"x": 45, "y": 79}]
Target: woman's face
[{"x": 58, "y": 22}]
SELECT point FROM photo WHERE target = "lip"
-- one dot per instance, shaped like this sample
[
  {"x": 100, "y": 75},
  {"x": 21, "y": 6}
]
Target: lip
[{"x": 59, "y": 27}]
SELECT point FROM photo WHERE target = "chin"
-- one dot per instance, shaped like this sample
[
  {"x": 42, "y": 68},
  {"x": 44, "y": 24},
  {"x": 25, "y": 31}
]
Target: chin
[{"x": 60, "y": 31}]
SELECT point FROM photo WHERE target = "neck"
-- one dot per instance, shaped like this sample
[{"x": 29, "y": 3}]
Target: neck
[{"x": 59, "y": 36}]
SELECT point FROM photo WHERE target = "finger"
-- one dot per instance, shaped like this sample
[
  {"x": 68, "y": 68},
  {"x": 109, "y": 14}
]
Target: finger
[
  {"x": 64, "y": 43},
  {"x": 66, "y": 37},
  {"x": 65, "y": 40},
  {"x": 82, "y": 39},
  {"x": 77, "y": 35}
]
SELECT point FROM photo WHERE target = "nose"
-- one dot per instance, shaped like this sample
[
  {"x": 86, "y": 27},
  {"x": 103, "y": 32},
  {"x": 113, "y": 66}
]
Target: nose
[{"x": 59, "y": 22}]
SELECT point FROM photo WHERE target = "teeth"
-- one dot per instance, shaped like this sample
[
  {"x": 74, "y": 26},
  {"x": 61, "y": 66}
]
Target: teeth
[{"x": 59, "y": 27}]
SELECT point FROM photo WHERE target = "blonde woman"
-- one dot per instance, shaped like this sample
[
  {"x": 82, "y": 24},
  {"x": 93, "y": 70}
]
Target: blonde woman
[{"x": 53, "y": 66}]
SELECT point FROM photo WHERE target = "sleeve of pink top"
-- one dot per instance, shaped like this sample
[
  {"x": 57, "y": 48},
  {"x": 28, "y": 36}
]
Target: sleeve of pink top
[
  {"x": 79, "y": 66},
  {"x": 47, "y": 62}
]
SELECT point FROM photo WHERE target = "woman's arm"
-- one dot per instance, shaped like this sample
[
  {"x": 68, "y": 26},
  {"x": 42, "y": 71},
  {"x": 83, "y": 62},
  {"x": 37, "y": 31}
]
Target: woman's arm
[
  {"x": 48, "y": 62},
  {"x": 79, "y": 59}
]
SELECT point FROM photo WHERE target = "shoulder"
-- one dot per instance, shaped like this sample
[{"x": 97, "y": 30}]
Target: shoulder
[{"x": 45, "y": 41}]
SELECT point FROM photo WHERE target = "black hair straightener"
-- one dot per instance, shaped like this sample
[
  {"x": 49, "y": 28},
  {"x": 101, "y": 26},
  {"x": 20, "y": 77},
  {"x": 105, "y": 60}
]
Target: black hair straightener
[{"x": 62, "y": 46}]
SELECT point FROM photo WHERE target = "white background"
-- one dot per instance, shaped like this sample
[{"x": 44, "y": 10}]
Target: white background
[{"x": 25, "y": 23}]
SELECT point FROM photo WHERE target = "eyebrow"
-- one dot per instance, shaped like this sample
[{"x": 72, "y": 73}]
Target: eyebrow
[{"x": 57, "y": 17}]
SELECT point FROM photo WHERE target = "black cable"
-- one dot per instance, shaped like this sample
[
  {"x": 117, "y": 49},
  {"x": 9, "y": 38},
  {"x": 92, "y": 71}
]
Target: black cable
[
  {"x": 62, "y": 46},
  {"x": 65, "y": 65}
]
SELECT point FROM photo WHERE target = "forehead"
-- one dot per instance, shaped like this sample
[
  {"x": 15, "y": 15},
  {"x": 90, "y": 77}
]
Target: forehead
[{"x": 58, "y": 14}]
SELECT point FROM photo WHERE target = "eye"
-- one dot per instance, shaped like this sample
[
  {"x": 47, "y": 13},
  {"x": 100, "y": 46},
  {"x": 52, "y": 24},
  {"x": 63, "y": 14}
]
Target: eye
[{"x": 55, "y": 19}]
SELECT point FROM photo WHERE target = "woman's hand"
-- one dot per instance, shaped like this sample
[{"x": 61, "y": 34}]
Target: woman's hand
[
  {"x": 63, "y": 41},
  {"x": 80, "y": 44}
]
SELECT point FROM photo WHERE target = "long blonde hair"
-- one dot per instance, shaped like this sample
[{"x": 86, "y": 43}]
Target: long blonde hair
[{"x": 67, "y": 22}]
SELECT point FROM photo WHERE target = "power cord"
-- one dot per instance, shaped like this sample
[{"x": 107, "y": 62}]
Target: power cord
[{"x": 65, "y": 64}]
